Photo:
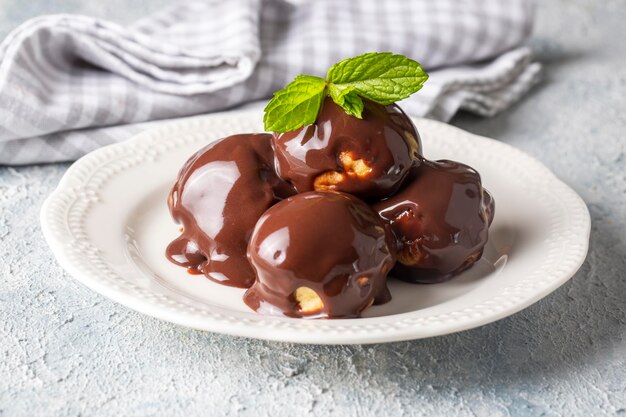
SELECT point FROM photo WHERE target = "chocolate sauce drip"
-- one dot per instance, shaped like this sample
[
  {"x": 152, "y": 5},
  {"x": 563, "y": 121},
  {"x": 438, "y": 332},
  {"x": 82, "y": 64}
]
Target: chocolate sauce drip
[
  {"x": 219, "y": 195},
  {"x": 331, "y": 243},
  {"x": 385, "y": 140},
  {"x": 440, "y": 218}
]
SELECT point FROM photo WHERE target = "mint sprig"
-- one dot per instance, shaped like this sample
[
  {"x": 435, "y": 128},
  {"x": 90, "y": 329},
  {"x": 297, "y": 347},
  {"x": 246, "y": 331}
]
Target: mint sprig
[{"x": 380, "y": 77}]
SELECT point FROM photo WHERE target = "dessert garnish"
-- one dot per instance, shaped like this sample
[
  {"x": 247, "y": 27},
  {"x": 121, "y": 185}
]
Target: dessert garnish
[{"x": 381, "y": 77}]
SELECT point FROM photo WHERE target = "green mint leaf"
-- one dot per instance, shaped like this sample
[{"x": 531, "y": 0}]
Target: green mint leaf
[
  {"x": 353, "y": 105},
  {"x": 347, "y": 99},
  {"x": 381, "y": 77},
  {"x": 296, "y": 105}
]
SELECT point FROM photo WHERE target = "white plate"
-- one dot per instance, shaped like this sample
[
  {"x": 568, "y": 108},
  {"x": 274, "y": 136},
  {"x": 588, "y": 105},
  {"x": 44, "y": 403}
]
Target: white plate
[{"x": 108, "y": 225}]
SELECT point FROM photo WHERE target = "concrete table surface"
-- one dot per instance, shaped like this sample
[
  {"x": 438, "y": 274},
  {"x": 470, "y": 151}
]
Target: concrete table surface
[{"x": 67, "y": 351}]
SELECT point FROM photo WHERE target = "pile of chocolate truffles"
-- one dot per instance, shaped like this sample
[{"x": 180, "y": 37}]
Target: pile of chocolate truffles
[{"x": 313, "y": 221}]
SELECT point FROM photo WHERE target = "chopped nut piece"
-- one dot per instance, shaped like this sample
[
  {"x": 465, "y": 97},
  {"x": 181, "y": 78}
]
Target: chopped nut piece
[
  {"x": 331, "y": 179},
  {"x": 409, "y": 257},
  {"x": 308, "y": 301},
  {"x": 328, "y": 181},
  {"x": 362, "y": 281},
  {"x": 353, "y": 166}
]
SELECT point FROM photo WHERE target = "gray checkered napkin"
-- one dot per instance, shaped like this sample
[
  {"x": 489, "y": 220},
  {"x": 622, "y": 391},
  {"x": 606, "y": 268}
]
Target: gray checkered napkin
[{"x": 70, "y": 84}]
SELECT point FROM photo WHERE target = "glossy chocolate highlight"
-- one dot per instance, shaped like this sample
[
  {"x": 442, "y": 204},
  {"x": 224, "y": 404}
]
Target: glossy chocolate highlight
[{"x": 219, "y": 195}]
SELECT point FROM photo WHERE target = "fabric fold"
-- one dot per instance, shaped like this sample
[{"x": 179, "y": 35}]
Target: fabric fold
[{"x": 70, "y": 84}]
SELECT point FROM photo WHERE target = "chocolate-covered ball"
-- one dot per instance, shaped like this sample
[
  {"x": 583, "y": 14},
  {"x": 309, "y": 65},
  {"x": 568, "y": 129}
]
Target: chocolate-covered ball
[
  {"x": 367, "y": 157},
  {"x": 319, "y": 254},
  {"x": 440, "y": 218},
  {"x": 219, "y": 195}
]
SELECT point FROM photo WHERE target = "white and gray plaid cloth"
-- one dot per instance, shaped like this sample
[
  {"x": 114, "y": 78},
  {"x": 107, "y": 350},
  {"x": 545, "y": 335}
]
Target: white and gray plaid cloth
[{"x": 70, "y": 84}]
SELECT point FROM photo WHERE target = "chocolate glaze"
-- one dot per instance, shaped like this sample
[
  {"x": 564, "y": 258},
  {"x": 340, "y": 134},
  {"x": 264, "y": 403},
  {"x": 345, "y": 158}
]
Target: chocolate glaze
[
  {"x": 324, "y": 241},
  {"x": 385, "y": 139},
  {"x": 219, "y": 195},
  {"x": 440, "y": 219}
]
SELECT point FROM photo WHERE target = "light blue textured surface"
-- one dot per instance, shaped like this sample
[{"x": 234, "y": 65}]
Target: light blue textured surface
[{"x": 66, "y": 351}]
